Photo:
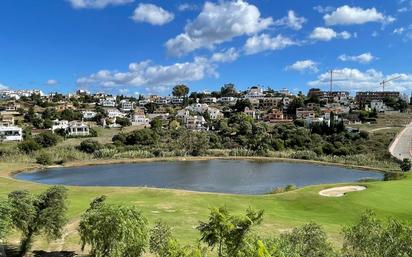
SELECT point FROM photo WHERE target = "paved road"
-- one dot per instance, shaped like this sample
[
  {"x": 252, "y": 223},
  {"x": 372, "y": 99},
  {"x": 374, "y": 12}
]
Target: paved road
[{"x": 401, "y": 147}]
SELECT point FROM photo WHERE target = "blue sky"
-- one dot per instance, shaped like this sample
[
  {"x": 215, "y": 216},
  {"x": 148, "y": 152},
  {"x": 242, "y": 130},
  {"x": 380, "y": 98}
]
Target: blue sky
[{"x": 126, "y": 46}]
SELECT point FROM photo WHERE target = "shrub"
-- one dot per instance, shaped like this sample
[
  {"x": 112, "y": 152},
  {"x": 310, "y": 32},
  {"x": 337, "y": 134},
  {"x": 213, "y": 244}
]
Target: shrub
[
  {"x": 105, "y": 153},
  {"x": 89, "y": 146},
  {"x": 44, "y": 159},
  {"x": 47, "y": 139},
  {"x": 393, "y": 176},
  {"x": 405, "y": 165},
  {"x": 29, "y": 146}
]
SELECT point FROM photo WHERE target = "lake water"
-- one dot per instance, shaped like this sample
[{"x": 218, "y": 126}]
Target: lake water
[{"x": 224, "y": 176}]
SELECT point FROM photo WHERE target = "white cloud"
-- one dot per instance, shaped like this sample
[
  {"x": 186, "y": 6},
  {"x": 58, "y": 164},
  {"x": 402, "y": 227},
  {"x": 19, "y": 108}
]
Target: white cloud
[
  {"x": 97, "y": 4},
  {"x": 292, "y": 21},
  {"x": 152, "y": 14},
  {"x": 323, "y": 9},
  {"x": 264, "y": 42},
  {"x": 52, "y": 82},
  {"x": 151, "y": 77},
  {"x": 399, "y": 31},
  {"x": 305, "y": 65},
  {"x": 186, "y": 7},
  {"x": 362, "y": 58},
  {"x": 228, "y": 56},
  {"x": 217, "y": 23},
  {"x": 356, "y": 80},
  {"x": 346, "y": 15},
  {"x": 327, "y": 34}
]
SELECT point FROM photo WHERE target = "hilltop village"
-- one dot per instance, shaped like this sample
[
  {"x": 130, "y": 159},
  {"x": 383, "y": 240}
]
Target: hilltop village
[{"x": 75, "y": 115}]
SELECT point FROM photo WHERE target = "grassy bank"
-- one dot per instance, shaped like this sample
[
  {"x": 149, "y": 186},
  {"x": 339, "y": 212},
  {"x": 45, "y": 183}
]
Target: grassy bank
[{"x": 183, "y": 210}]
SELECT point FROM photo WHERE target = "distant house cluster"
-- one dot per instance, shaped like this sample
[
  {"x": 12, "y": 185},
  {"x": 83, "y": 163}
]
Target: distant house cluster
[{"x": 197, "y": 111}]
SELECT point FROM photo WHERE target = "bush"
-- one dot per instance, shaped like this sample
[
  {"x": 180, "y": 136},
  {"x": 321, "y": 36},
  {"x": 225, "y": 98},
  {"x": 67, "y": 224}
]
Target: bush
[
  {"x": 394, "y": 176},
  {"x": 90, "y": 146},
  {"x": 47, "y": 139},
  {"x": 29, "y": 146},
  {"x": 405, "y": 165},
  {"x": 278, "y": 190},
  {"x": 44, "y": 159}
]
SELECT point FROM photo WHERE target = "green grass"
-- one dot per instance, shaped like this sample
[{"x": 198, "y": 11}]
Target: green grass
[{"x": 183, "y": 210}]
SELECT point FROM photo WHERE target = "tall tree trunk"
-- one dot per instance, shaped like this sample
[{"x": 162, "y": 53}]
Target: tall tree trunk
[{"x": 26, "y": 244}]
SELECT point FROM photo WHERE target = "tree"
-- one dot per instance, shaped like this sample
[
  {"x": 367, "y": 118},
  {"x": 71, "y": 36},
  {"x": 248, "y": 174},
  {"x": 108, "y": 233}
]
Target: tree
[
  {"x": 5, "y": 218},
  {"x": 47, "y": 139},
  {"x": 226, "y": 231},
  {"x": 142, "y": 137},
  {"x": 124, "y": 122},
  {"x": 371, "y": 237},
  {"x": 405, "y": 165},
  {"x": 308, "y": 240},
  {"x": 90, "y": 146},
  {"x": 38, "y": 214},
  {"x": 70, "y": 115},
  {"x": 113, "y": 230},
  {"x": 156, "y": 124},
  {"x": 180, "y": 90},
  {"x": 241, "y": 104},
  {"x": 29, "y": 146},
  {"x": 228, "y": 90}
]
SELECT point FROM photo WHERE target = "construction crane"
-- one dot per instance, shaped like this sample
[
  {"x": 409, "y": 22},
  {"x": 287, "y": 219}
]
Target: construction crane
[
  {"x": 386, "y": 81},
  {"x": 332, "y": 72}
]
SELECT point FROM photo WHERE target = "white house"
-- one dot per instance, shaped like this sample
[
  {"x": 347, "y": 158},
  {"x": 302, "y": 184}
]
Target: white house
[
  {"x": 11, "y": 133},
  {"x": 88, "y": 115},
  {"x": 114, "y": 113},
  {"x": 138, "y": 118},
  {"x": 78, "y": 128},
  {"x": 255, "y": 92},
  {"x": 378, "y": 105},
  {"x": 196, "y": 123},
  {"x": 228, "y": 99},
  {"x": 60, "y": 124},
  {"x": 214, "y": 113},
  {"x": 209, "y": 100},
  {"x": 108, "y": 102},
  {"x": 126, "y": 106},
  {"x": 176, "y": 100}
]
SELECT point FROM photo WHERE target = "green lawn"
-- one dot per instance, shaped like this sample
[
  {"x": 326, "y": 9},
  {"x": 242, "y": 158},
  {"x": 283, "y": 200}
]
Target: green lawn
[{"x": 183, "y": 210}]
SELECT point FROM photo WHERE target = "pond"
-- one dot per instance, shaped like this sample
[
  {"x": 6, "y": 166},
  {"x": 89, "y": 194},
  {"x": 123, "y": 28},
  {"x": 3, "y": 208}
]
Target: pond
[{"x": 223, "y": 176}]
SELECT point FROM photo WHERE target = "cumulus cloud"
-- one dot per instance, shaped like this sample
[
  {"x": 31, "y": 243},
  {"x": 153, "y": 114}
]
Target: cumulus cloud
[
  {"x": 151, "y": 77},
  {"x": 327, "y": 34},
  {"x": 303, "y": 66},
  {"x": 362, "y": 58},
  {"x": 97, "y": 4},
  {"x": 227, "y": 56},
  {"x": 356, "y": 80},
  {"x": 217, "y": 23},
  {"x": 292, "y": 21},
  {"x": 152, "y": 14},
  {"x": 52, "y": 82},
  {"x": 264, "y": 42},
  {"x": 346, "y": 15}
]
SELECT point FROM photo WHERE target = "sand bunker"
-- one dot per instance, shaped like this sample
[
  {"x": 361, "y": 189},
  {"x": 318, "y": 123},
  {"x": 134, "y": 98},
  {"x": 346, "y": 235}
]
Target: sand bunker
[{"x": 340, "y": 191}]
